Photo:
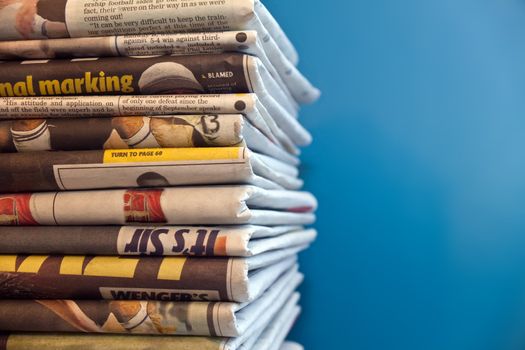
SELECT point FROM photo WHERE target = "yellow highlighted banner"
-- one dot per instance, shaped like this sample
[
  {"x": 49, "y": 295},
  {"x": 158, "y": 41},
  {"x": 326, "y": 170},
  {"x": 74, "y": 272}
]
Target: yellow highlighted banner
[
  {"x": 72, "y": 265},
  {"x": 32, "y": 263},
  {"x": 148, "y": 155},
  {"x": 111, "y": 266},
  {"x": 171, "y": 268},
  {"x": 8, "y": 263}
]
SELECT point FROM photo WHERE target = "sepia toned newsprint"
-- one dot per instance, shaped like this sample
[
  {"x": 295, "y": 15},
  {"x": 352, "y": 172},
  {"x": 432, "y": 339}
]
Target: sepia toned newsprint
[
  {"x": 176, "y": 131},
  {"x": 271, "y": 120},
  {"x": 47, "y": 19}
]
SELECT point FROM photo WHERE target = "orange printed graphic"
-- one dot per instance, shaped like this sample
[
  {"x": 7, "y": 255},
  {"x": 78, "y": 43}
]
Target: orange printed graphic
[
  {"x": 15, "y": 210},
  {"x": 143, "y": 206}
]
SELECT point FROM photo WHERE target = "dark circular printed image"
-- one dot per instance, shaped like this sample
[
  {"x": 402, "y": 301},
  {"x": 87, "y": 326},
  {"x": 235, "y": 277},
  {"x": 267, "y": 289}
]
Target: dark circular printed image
[
  {"x": 152, "y": 179},
  {"x": 240, "y": 106},
  {"x": 241, "y": 37}
]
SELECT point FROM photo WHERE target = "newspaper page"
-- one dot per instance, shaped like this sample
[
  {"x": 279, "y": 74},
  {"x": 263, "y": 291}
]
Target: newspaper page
[
  {"x": 149, "y": 167},
  {"x": 205, "y": 241},
  {"x": 276, "y": 42},
  {"x": 178, "y": 44},
  {"x": 153, "y": 105},
  {"x": 145, "y": 75},
  {"x": 272, "y": 27},
  {"x": 273, "y": 336},
  {"x": 68, "y": 341},
  {"x": 125, "y": 105},
  {"x": 141, "y": 278},
  {"x": 273, "y": 315},
  {"x": 46, "y": 19},
  {"x": 276, "y": 313},
  {"x": 74, "y": 134},
  {"x": 223, "y": 319},
  {"x": 177, "y": 131},
  {"x": 80, "y": 18},
  {"x": 201, "y": 205},
  {"x": 249, "y": 42}
]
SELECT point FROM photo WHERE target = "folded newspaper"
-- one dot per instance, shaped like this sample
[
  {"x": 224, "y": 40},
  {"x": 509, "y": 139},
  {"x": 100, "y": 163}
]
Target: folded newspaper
[
  {"x": 142, "y": 278},
  {"x": 151, "y": 105},
  {"x": 76, "y": 134},
  {"x": 276, "y": 314},
  {"x": 204, "y": 205},
  {"x": 148, "y": 75},
  {"x": 44, "y": 19},
  {"x": 249, "y": 42},
  {"x": 272, "y": 338},
  {"x": 242, "y": 241},
  {"x": 223, "y": 319},
  {"x": 150, "y": 167}
]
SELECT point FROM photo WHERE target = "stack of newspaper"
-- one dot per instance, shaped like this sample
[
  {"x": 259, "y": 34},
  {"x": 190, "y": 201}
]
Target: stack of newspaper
[{"x": 150, "y": 196}]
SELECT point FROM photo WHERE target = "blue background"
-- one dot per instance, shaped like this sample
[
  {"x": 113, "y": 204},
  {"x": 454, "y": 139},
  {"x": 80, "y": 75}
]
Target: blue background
[{"x": 418, "y": 164}]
